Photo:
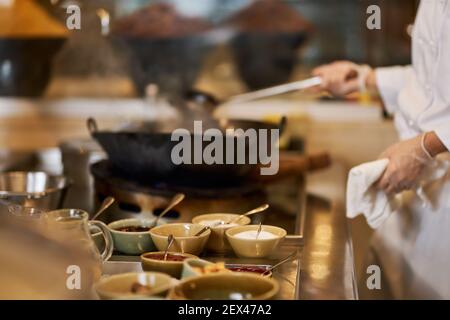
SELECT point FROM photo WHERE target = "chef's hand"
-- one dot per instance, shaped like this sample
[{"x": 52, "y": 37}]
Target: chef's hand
[
  {"x": 407, "y": 159},
  {"x": 341, "y": 78}
]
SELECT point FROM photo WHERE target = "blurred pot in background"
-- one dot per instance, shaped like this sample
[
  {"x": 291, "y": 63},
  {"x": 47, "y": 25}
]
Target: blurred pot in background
[
  {"x": 269, "y": 35},
  {"x": 92, "y": 63},
  {"x": 29, "y": 39},
  {"x": 166, "y": 48}
]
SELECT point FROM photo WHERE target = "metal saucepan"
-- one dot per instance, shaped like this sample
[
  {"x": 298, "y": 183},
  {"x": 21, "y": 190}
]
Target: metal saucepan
[{"x": 33, "y": 189}]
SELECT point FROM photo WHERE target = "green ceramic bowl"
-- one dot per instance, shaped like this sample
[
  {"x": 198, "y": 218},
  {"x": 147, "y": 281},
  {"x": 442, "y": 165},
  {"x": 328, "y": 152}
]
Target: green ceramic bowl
[{"x": 132, "y": 243}]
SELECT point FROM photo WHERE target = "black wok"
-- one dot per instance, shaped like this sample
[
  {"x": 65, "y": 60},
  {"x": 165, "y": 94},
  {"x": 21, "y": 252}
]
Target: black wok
[{"x": 147, "y": 155}]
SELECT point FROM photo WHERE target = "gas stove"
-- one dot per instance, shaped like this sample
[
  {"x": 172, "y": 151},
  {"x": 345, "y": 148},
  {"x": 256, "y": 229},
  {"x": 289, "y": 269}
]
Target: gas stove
[{"x": 147, "y": 199}]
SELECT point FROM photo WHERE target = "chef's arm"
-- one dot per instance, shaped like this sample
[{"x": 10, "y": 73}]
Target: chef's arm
[
  {"x": 339, "y": 79},
  {"x": 389, "y": 81}
]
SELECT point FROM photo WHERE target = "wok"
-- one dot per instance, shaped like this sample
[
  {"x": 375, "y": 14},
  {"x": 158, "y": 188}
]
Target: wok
[{"x": 147, "y": 155}]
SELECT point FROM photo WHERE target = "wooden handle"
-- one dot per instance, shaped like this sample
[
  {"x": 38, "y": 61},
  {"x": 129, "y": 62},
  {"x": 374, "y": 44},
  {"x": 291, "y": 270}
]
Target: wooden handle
[{"x": 293, "y": 164}]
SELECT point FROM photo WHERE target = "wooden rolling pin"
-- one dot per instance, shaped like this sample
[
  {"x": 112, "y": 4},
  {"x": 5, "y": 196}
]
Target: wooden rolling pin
[{"x": 294, "y": 164}]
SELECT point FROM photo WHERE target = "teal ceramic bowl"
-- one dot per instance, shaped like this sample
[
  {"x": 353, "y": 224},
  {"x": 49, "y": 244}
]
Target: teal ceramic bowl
[{"x": 132, "y": 243}]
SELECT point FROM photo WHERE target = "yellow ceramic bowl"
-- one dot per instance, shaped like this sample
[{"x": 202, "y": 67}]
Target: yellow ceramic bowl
[
  {"x": 218, "y": 242},
  {"x": 254, "y": 248},
  {"x": 120, "y": 285},
  {"x": 172, "y": 268},
  {"x": 185, "y": 241},
  {"x": 225, "y": 286}
]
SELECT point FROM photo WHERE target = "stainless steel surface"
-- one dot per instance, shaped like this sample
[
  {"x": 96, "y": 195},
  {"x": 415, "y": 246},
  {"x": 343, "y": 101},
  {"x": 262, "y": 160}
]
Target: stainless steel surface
[
  {"x": 33, "y": 189},
  {"x": 277, "y": 90},
  {"x": 77, "y": 156},
  {"x": 324, "y": 266},
  {"x": 288, "y": 274}
]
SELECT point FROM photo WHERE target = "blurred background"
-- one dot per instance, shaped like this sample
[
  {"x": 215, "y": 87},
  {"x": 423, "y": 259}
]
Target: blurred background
[
  {"x": 210, "y": 43},
  {"x": 138, "y": 57}
]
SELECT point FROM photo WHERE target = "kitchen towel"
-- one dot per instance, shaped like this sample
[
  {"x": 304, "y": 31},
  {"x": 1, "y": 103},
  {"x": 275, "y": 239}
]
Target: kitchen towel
[
  {"x": 375, "y": 205},
  {"x": 362, "y": 195}
]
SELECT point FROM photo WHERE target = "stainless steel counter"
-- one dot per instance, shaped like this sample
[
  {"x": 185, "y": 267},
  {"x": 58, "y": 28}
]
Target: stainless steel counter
[{"x": 324, "y": 268}]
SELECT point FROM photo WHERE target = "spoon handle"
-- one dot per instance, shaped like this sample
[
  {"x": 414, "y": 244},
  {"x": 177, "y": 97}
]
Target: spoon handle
[
  {"x": 288, "y": 258},
  {"x": 170, "y": 240},
  {"x": 204, "y": 230},
  {"x": 175, "y": 200},
  {"x": 256, "y": 210},
  {"x": 259, "y": 230},
  {"x": 105, "y": 205}
]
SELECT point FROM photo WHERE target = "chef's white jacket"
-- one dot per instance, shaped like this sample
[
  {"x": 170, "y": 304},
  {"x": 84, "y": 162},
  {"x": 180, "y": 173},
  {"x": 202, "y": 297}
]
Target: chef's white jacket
[
  {"x": 419, "y": 95},
  {"x": 412, "y": 247}
]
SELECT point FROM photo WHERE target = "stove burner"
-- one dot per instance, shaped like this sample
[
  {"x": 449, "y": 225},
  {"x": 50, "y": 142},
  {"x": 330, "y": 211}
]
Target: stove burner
[
  {"x": 146, "y": 199},
  {"x": 105, "y": 172}
]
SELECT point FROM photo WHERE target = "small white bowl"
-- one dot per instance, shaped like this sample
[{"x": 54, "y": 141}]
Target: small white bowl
[{"x": 255, "y": 248}]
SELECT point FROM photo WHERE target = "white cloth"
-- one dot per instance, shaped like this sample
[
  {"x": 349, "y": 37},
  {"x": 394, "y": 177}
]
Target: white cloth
[
  {"x": 362, "y": 195},
  {"x": 419, "y": 95},
  {"x": 412, "y": 246},
  {"x": 364, "y": 198}
]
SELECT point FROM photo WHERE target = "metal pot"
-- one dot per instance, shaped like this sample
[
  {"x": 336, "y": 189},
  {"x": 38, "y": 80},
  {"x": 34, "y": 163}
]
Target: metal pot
[{"x": 34, "y": 189}]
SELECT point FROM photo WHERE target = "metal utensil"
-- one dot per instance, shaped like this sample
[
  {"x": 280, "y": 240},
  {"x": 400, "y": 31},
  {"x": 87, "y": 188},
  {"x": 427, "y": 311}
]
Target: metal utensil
[
  {"x": 283, "y": 261},
  {"x": 105, "y": 205},
  {"x": 249, "y": 213},
  {"x": 205, "y": 229},
  {"x": 170, "y": 240},
  {"x": 175, "y": 200},
  {"x": 259, "y": 230},
  {"x": 276, "y": 90}
]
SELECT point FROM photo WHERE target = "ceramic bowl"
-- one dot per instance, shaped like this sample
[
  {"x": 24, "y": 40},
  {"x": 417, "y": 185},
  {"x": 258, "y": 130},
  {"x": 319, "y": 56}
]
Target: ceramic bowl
[
  {"x": 225, "y": 286},
  {"x": 190, "y": 265},
  {"x": 185, "y": 241},
  {"x": 217, "y": 241},
  {"x": 131, "y": 243},
  {"x": 173, "y": 268},
  {"x": 120, "y": 285},
  {"x": 254, "y": 248}
]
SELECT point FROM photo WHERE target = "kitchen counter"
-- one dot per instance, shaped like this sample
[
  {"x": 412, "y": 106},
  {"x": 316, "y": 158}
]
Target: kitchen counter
[{"x": 325, "y": 267}]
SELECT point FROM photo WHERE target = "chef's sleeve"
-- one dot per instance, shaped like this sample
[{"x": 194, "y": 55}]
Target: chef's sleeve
[
  {"x": 443, "y": 133},
  {"x": 390, "y": 80}
]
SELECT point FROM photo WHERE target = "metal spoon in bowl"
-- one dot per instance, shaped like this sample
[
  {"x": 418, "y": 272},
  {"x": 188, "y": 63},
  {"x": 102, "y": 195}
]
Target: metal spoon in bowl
[
  {"x": 170, "y": 240},
  {"x": 234, "y": 220},
  {"x": 175, "y": 200},
  {"x": 259, "y": 230},
  {"x": 249, "y": 213},
  {"x": 105, "y": 205},
  {"x": 283, "y": 261}
]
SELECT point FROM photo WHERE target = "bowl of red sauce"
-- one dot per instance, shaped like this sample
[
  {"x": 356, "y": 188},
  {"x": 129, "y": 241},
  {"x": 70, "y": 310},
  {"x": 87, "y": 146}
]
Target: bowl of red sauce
[
  {"x": 172, "y": 264},
  {"x": 131, "y": 236}
]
